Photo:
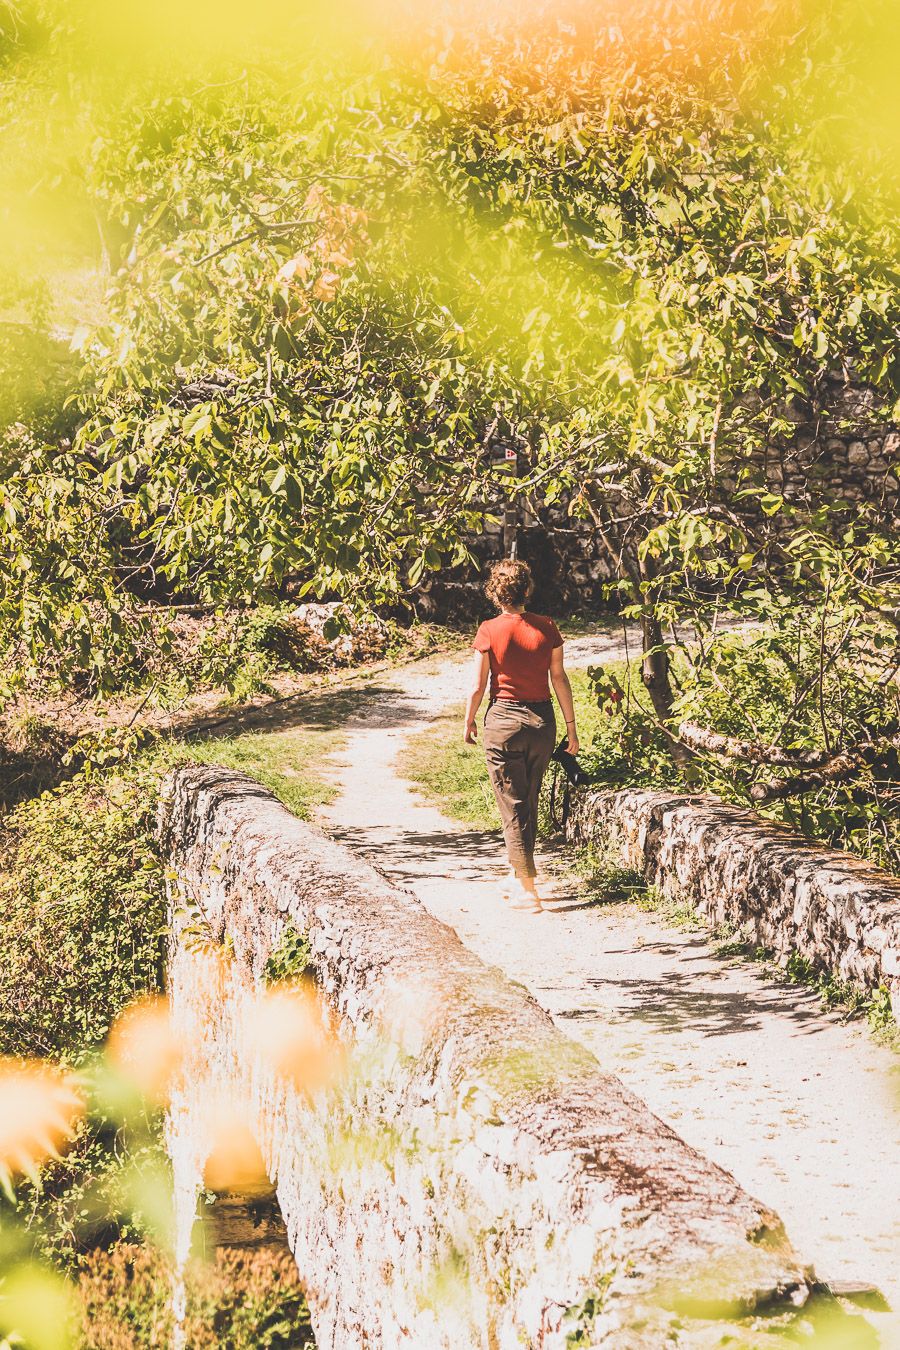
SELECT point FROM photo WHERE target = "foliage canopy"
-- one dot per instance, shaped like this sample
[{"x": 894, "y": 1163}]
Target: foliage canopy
[{"x": 627, "y": 238}]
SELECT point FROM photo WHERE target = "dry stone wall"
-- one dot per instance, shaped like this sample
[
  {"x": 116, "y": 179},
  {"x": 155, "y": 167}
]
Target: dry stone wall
[
  {"x": 849, "y": 452},
  {"x": 786, "y": 894},
  {"x": 477, "y": 1180}
]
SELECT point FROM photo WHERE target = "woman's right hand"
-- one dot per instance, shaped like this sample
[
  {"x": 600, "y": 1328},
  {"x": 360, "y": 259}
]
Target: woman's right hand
[
  {"x": 572, "y": 742},
  {"x": 470, "y": 735}
]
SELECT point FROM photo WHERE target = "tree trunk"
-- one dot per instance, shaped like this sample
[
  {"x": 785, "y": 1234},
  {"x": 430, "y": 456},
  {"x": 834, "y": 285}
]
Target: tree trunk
[
  {"x": 655, "y": 669},
  {"x": 657, "y": 679}
]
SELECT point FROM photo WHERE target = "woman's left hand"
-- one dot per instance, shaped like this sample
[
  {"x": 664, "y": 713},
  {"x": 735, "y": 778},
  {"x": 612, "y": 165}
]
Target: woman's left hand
[{"x": 573, "y": 744}]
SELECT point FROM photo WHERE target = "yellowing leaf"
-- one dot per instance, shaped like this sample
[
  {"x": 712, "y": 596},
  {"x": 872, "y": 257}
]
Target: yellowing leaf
[
  {"x": 327, "y": 285},
  {"x": 37, "y": 1309},
  {"x": 144, "y": 1047}
]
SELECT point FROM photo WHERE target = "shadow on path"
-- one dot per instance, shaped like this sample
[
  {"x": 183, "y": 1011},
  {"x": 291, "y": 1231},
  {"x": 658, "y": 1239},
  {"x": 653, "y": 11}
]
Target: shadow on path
[
  {"x": 672, "y": 1001},
  {"x": 408, "y": 853},
  {"x": 375, "y": 705}
]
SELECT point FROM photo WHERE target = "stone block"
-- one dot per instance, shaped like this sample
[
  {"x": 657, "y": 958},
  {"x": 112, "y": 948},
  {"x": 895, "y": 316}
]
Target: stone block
[{"x": 890, "y": 961}]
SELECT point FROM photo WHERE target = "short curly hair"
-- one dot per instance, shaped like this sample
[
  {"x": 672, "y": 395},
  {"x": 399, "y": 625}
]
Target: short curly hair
[{"x": 509, "y": 583}]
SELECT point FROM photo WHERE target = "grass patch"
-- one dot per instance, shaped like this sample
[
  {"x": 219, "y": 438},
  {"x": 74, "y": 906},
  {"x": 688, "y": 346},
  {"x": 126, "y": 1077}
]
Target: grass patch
[
  {"x": 840, "y": 996},
  {"x": 289, "y": 763},
  {"x": 731, "y": 941},
  {"x": 881, "y": 1020},
  {"x": 590, "y": 718},
  {"x": 602, "y": 878},
  {"x": 451, "y": 774},
  {"x": 676, "y": 910},
  {"x": 834, "y": 993}
]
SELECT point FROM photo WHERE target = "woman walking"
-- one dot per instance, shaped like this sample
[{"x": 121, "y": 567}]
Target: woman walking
[{"x": 521, "y": 653}]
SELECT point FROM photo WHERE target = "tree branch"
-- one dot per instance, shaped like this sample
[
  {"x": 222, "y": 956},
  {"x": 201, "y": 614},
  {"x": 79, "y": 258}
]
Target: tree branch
[
  {"x": 838, "y": 768},
  {"x": 732, "y": 747},
  {"x": 822, "y": 766}
]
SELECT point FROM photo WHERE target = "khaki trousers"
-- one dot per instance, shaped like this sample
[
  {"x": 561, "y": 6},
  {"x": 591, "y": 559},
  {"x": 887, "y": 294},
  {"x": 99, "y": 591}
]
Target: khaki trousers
[{"x": 518, "y": 742}]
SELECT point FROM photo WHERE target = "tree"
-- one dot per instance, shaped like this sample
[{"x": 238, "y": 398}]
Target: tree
[{"x": 333, "y": 285}]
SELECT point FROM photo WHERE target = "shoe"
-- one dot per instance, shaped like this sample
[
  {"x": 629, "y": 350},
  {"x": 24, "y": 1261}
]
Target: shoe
[{"x": 524, "y": 897}]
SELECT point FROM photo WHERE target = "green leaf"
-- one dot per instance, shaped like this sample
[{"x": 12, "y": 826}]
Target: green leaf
[
  {"x": 416, "y": 569},
  {"x": 198, "y": 421}
]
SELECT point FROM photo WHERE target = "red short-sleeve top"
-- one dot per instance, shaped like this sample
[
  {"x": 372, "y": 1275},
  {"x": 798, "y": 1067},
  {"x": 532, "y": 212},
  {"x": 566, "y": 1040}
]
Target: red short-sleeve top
[{"x": 520, "y": 646}]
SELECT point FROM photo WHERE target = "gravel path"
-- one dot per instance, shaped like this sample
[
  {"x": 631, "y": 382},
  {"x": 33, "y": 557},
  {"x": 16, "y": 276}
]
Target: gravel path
[{"x": 803, "y": 1110}]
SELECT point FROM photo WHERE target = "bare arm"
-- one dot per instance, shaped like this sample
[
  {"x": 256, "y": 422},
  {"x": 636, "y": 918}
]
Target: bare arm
[
  {"x": 481, "y": 669},
  {"x": 560, "y": 681}
]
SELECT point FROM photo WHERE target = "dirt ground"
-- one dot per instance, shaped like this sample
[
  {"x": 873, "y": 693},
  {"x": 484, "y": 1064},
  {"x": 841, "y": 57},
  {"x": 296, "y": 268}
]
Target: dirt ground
[{"x": 803, "y": 1109}]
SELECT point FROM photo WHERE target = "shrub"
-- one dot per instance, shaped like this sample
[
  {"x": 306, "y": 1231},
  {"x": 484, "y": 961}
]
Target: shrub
[
  {"x": 290, "y": 958},
  {"x": 245, "y": 1300},
  {"x": 112, "y": 1184},
  {"x": 82, "y": 894},
  {"x": 242, "y": 649},
  {"x": 82, "y": 887},
  {"x": 769, "y": 687}
]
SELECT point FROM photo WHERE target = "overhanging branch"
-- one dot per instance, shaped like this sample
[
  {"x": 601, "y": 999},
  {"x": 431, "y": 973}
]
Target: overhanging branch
[
  {"x": 822, "y": 768},
  {"x": 838, "y": 768},
  {"x": 750, "y": 752}
]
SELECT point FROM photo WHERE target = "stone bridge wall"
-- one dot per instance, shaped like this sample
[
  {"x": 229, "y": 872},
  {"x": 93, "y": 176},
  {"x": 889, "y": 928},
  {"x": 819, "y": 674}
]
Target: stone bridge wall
[
  {"x": 477, "y": 1180},
  {"x": 784, "y": 893}
]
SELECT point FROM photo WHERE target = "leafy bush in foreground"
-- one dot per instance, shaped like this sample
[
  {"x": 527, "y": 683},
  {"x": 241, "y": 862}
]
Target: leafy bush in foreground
[{"x": 82, "y": 885}]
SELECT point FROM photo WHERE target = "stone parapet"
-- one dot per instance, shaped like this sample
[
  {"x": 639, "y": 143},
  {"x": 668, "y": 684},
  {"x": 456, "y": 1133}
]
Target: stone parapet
[
  {"x": 737, "y": 869},
  {"x": 477, "y": 1180}
]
